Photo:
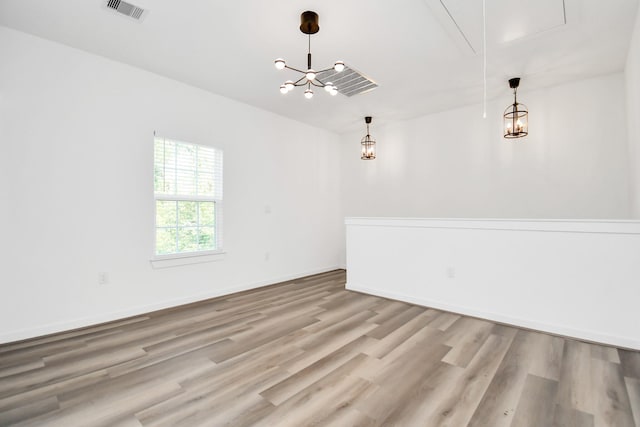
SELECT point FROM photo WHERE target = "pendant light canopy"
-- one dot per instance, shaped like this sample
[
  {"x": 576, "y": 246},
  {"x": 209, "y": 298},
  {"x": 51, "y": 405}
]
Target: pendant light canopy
[
  {"x": 308, "y": 25},
  {"x": 368, "y": 143},
  {"x": 516, "y": 116}
]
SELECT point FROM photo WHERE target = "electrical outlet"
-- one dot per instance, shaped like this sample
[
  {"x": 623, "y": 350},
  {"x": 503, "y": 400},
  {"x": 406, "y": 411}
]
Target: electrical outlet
[{"x": 103, "y": 278}]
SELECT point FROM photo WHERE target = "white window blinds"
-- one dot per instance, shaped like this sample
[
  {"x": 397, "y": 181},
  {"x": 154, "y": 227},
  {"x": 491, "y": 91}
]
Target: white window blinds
[{"x": 184, "y": 169}]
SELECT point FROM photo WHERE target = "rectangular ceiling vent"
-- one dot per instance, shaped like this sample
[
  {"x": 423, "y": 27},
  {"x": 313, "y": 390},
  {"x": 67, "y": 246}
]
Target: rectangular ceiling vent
[
  {"x": 127, "y": 9},
  {"x": 349, "y": 81}
]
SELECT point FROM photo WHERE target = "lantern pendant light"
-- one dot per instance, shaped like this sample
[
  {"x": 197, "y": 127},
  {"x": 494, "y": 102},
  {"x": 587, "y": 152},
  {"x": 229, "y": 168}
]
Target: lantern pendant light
[
  {"x": 368, "y": 143},
  {"x": 516, "y": 116}
]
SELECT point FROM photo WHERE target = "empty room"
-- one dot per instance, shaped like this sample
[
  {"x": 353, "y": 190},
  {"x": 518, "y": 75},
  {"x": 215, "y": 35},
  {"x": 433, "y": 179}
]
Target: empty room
[{"x": 320, "y": 213}]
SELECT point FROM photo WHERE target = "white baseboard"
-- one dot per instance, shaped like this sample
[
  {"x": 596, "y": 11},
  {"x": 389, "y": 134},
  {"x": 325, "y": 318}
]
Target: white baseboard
[
  {"x": 584, "y": 335},
  {"x": 68, "y": 325}
]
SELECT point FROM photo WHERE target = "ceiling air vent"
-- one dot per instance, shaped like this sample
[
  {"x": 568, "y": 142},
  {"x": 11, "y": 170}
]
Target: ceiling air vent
[
  {"x": 128, "y": 9},
  {"x": 349, "y": 81}
]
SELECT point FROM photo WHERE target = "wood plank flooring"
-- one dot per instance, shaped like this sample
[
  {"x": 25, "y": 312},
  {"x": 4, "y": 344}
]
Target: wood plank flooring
[{"x": 308, "y": 352}]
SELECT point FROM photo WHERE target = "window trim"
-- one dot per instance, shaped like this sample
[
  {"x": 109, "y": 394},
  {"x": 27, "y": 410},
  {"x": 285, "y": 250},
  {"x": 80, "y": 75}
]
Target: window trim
[{"x": 186, "y": 258}]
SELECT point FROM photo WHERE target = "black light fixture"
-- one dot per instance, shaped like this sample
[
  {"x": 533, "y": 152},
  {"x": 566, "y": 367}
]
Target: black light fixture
[
  {"x": 308, "y": 25},
  {"x": 368, "y": 143},
  {"x": 516, "y": 116}
]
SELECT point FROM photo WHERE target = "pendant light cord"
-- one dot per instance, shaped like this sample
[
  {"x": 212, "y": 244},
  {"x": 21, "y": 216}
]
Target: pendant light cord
[{"x": 484, "y": 57}]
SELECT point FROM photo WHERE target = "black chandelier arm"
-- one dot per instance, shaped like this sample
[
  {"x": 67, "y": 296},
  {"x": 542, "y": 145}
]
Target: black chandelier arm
[
  {"x": 316, "y": 81},
  {"x": 300, "y": 82},
  {"x": 304, "y": 72},
  {"x": 325, "y": 70},
  {"x": 294, "y": 69}
]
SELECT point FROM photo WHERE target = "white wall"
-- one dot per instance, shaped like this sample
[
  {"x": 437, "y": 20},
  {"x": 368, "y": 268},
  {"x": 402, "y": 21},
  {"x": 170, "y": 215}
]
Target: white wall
[
  {"x": 574, "y": 278},
  {"x": 632, "y": 74},
  {"x": 457, "y": 164},
  {"x": 77, "y": 145}
]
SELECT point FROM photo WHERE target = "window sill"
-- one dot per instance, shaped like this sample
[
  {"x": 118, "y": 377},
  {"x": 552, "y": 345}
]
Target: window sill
[{"x": 177, "y": 260}]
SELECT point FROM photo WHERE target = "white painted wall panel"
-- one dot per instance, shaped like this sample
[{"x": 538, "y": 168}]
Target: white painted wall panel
[{"x": 574, "y": 278}]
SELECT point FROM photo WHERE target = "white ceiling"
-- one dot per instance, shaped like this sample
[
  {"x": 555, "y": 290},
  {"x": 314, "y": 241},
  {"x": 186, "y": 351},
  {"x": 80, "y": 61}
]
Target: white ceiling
[{"x": 422, "y": 60}]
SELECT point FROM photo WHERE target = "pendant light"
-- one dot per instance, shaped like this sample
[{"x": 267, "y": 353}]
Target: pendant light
[
  {"x": 516, "y": 116},
  {"x": 368, "y": 143},
  {"x": 308, "y": 25}
]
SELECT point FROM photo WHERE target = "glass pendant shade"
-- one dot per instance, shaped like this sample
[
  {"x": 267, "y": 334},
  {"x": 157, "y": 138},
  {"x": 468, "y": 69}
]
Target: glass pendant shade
[
  {"x": 308, "y": 94},
  {"x": 279, "y": 63},
  {"x": 311, "y": 75}
]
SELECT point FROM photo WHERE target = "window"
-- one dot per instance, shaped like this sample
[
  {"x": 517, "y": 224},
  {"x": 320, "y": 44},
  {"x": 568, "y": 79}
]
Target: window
[{"x": 188, "y": 197}]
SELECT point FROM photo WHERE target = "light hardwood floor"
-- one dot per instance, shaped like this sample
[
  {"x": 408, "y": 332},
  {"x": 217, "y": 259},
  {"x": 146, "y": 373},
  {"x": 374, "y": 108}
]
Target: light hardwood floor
[{"x": 308, "y": 352}]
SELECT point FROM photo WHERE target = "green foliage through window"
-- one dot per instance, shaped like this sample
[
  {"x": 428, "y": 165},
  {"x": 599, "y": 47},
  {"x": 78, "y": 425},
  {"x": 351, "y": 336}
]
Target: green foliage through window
[{"x": 184, "y": 226}]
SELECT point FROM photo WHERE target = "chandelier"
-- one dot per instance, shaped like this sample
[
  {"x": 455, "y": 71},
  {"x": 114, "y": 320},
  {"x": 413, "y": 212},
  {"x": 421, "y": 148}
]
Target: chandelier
[
  {"x": 516, "y": 116},
  {"x": 308, "y": 25},
  {"x": 368, "y": 143}
]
